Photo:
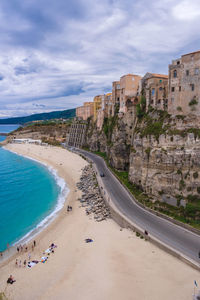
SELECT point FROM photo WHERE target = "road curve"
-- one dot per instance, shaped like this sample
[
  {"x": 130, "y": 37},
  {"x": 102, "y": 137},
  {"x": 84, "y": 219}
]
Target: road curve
[{"x": 182, "y": 240}]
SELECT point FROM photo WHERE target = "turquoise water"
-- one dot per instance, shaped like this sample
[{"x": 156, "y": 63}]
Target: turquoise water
[{"x": 29, "y": 193}]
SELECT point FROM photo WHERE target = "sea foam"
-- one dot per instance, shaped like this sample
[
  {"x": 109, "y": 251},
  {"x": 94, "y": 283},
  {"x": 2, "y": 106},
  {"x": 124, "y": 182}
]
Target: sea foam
[{"x": 64, "y": 190}]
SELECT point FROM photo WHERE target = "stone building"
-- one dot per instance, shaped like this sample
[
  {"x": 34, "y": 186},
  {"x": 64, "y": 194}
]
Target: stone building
[
  {"x": 105, "y": 111},
  {"x": 129, "y": 88},
  {"x": 85, "y": 111},
  {"x": 76, "y": 136},
  {"x": 115, "y": 95},
  {"x": 97, "y": 105},
  {"x": 107, "y": 105},
  {"x": 184, "y": 85},
  {"x": 154, "y": 87}
]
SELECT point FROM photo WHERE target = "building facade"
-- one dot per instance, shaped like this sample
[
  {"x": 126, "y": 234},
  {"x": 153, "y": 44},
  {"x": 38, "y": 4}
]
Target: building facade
[
  {"x": 85, "y": 111},
  {"x": 154, "y": 87},
  {"x": 184, "y": 85},
  {"x": 76, "y": 136},
  {"x": 129, "y": 89},
  {"x": 115, "y": 96},
  {"x": 97, "y": 105}
]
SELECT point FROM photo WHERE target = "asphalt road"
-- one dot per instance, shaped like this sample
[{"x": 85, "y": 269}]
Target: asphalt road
[{"x": 182, "y": 240}]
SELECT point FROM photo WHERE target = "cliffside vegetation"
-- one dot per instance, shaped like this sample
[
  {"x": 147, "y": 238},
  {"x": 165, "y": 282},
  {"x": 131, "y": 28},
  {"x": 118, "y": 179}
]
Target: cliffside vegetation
[{"x": 162, "y": 174}]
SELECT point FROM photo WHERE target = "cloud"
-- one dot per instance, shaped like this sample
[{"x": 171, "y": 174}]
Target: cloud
[{"x": 55, "y": 55}]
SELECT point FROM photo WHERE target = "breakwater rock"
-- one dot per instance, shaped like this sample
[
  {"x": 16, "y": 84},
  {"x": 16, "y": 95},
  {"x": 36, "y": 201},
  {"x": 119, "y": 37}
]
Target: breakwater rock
[{"x": 91, "y": 198}]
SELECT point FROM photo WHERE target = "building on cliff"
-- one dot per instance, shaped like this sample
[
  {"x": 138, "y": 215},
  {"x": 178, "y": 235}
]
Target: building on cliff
[
  {"x": 115, "y": 96},
  {"x": 129, "y": 89},
  {"x": 154, "y": 87},
  {"x": 76, "y": 136},
  {"x": 184, "y": 87},
  {"x": 85, "y": 111},
  {"x": 97, "y": 105},
  {"x": 105, "y": 111}
]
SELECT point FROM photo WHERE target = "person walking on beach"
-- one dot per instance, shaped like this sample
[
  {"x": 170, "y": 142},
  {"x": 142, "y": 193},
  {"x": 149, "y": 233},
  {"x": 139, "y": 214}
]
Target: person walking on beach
[
  {"x": 34, "y": 243},
  {"x": 16, "y": 262},
  {"x": 29, "y": 256},
  {"x": 20, "y": 263},
  {"x": 25, "y": 264},
  {"x": 18, "y": 249}
]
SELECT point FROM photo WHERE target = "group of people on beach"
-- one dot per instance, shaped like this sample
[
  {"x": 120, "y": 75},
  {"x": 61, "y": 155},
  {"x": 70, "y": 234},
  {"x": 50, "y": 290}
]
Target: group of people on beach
[
  {"x": 18, "y": 262},
  {"x": 22, "y": 248}
]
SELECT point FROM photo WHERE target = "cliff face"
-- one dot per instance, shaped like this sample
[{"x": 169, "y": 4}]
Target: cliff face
[
  {"x": 165, "y": 158},
  {"x": 160, "y": 152},
  {"x": 114, "y": 139}
]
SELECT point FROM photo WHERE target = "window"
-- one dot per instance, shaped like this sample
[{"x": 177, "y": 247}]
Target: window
[
  {"x": 179, "y": 88},
  {"x": 196, "y": 71},
  {"x": 160, "y": 88},
  {"x": 187, "y": 72},
  {"x": 173, "y": 89},
  {"x": 178, "y": 62},
  {"x": 172, "y": 99},
  {"x": 192, "y": 87},
  {"x": 153, "y": 92},
  {"x": 175, "y": 73},
  {"x": 159, "y": 101}
]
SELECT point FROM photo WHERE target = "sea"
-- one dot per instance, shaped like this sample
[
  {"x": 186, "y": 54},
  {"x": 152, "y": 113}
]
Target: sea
[{"x": 31, "y": 194}]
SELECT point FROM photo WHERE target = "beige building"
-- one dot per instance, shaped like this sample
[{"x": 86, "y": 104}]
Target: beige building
[
  {"x": 97, "y": 105},
  {"x": 154, "y": 87},
  {"x": 115, "y": 96},
  {"x": 107, "y": 105},
  {"x": 129, "y": 88},
  {"x": 85, "y": 111},
  {"x": 184, "y": 85},
  {"x": 105, "y": 111}
]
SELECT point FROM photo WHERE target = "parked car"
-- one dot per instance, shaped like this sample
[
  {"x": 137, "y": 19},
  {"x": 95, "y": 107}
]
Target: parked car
[{"x": 102, "y": 174}]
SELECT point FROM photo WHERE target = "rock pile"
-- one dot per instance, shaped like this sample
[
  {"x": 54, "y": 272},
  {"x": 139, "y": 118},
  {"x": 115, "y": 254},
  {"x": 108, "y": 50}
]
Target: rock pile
[{"x": 91, "y": 197}]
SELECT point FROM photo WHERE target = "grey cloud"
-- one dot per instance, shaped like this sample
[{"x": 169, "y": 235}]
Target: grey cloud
[{"x": 57, "y": 54}]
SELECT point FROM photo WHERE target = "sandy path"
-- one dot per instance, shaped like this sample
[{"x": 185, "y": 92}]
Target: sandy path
[{"x": 117, "y": 265}]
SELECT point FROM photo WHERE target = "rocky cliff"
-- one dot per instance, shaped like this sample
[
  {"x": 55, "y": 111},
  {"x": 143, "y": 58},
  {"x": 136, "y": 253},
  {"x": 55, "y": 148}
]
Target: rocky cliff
[{"x": 160, "y": 152}]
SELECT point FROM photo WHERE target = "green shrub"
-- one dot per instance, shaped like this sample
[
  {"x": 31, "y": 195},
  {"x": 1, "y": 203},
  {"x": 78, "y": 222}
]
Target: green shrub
[
  {"x": 182, "y": 184},
  {"x": 193, "y": 102},
  {"x": 195, "y": 175},
  {"x": 179, "y": 172},
  {"x": 198, "y": 189},
  {"x": 147, "y": 151},
  {"x": 179, "y": 108}
]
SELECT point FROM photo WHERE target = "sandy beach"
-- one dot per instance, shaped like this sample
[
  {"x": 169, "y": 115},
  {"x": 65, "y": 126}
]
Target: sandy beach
[{"x": 117, "y": 265}]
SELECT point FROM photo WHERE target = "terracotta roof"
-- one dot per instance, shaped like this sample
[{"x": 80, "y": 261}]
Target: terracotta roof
[
  {"x": 159, "y": 75},
  {"x": 130, "y": 75},
  {"x": 191, "y": 53}
]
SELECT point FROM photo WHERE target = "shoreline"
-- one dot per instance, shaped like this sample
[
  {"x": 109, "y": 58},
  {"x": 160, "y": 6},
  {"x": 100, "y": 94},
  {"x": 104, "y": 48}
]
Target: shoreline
[
  {"x": 116, "y": 265},
  {"x": 47, "y": 220}
]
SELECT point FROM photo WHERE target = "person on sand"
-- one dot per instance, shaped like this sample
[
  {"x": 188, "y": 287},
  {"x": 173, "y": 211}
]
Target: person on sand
[
  {"x": 32, "y": 247},
  {"x": 18, "y": 249},
  {"x": 25, "y": 264},
  {"x": 29, "y": 256},
  {"x": 34, "y": 243},
  {"x": 11, "y": 280},
  {"x": 20, "y": 263},
  {"x": 16, "y": 262}
]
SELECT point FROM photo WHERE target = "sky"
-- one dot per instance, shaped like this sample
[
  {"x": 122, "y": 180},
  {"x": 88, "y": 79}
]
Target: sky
[{"x": 56, "y": 54}]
